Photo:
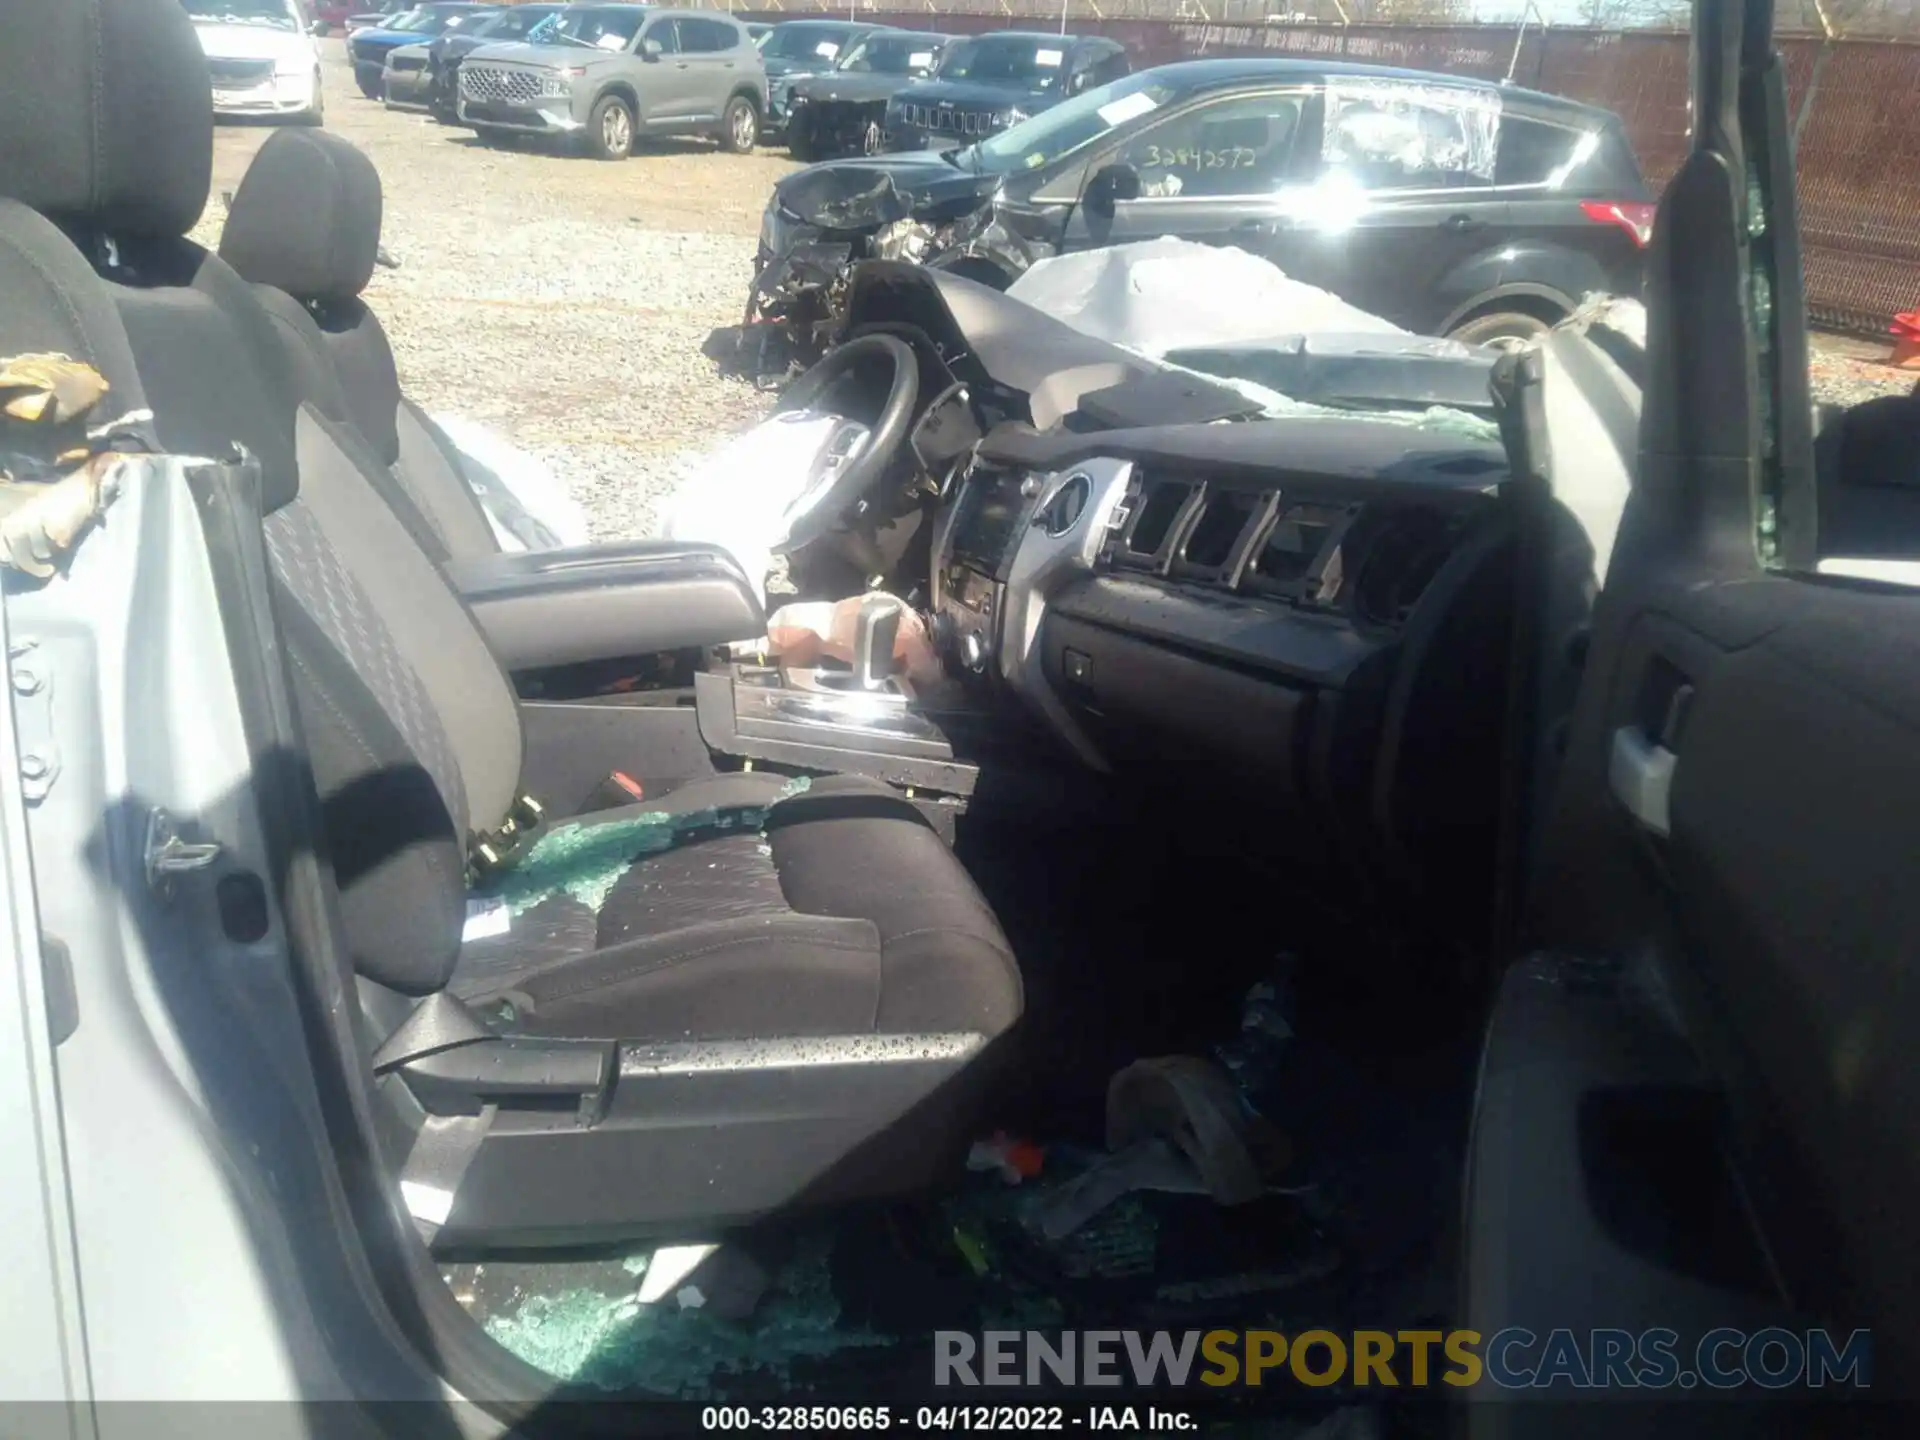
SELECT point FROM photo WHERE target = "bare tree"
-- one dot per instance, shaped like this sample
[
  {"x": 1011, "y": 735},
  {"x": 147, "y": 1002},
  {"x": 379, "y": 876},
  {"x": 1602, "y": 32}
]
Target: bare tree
[{"x": 1633, "y": 14}]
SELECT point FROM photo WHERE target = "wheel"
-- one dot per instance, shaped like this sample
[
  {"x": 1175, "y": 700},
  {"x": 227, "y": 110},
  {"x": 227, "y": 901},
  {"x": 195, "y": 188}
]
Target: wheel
[
  {"x": 371, "y": 84},
  {"x": 1501, "y": 329},
  {"x": 610, "y": 129},
  {"x": 740, "y": 126}
]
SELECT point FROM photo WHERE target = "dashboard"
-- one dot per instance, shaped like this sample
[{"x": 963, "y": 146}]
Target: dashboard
[{"x": 1318, "y": 611}]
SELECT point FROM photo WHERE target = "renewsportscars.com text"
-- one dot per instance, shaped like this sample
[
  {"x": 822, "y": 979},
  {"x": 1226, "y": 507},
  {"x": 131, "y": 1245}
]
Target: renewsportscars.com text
[{"x": 1513, "y": 1359}]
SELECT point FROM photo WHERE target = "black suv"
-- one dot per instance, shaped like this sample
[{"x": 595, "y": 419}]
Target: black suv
[
  {"x": 1446, "y": 205},
  {"x": 987, "y": 82}
]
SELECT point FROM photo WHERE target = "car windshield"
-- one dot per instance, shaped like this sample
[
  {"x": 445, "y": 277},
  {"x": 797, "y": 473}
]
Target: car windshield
[
  {"x": 892, "y": 55},
  {"x": 1019, "y": 61},
  {"x": 511, "y": 24},
  {"x": 434, "y": 22},
  {"x": 612, "y": 27},
  {"x": 274, "y": 14},
  {"x": 805, "y": 42},
  {"x": 1067, "y": 126}
]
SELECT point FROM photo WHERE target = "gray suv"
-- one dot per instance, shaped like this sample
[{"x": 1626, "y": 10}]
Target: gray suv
[{"x": 608, "y": 74}]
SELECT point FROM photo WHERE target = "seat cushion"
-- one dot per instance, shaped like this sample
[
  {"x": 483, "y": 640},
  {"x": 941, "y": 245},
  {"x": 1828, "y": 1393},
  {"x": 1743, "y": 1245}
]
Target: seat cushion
[{"x": 745, "y": 906}]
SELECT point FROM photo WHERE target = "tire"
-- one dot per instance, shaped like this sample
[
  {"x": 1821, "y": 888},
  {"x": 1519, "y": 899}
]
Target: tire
[
  {"x": 374, "y": 88},
  {"x": 800, "y": 143},
  {"x": 739, "y": 126},
  {"x": 610, "y": 129},
  {"x": 1503, "y": 329}
]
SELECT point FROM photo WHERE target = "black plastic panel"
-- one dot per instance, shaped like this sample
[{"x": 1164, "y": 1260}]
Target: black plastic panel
[{"x": 1138, "y": 696}]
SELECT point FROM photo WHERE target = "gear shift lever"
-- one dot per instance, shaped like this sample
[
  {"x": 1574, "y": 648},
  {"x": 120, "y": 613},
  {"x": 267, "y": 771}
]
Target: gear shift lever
[{"x": 874, "y": 630}]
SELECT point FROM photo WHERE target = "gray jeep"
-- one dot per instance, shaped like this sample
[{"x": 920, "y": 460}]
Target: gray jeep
[{"x": 608, "y": 74}]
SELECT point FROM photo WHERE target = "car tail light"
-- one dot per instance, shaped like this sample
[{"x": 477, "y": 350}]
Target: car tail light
[{"x": 1633, "y": 216}]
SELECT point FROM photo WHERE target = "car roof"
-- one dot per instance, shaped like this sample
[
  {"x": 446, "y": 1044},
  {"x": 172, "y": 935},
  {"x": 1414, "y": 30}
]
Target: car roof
[
  {"x": 1037, "y": 36},
  {"x": 1233, "y": 70}
]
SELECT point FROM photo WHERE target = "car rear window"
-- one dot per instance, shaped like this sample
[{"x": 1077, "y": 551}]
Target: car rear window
[{"x": 1532, "y": 152}]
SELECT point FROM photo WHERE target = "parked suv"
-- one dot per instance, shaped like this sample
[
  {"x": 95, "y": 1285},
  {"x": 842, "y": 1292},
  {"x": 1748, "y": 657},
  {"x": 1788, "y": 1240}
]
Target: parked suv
[
  {"x": 987, "y": 82},
  {"x": 368, "y": 48},
  {"x": 442, "y": 77},
  {"x": 846, "y": 108},
  {"x": 1446, "y": 205},
  {"x": 607, "y": 74},
  {"x": 796, "y": 49}
]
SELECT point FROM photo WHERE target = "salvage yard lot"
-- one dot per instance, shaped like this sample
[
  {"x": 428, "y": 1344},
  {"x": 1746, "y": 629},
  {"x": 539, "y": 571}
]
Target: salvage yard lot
[
  {"x": 561, "y": 301},
  {"x": 565, "y": 302}
]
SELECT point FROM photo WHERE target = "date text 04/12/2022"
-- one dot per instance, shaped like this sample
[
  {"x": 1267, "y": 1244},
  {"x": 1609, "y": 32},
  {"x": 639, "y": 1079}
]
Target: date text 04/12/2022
[{"x": 942, "y": 1419}]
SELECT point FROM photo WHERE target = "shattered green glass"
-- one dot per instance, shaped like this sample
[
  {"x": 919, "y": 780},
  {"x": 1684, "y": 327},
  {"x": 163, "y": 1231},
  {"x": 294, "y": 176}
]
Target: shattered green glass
[
  {"x": 615, "y": 1343},
  {"x": 584, "y": 860}
]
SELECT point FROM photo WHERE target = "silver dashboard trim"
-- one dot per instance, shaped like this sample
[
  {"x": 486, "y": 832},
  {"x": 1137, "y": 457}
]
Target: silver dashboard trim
[{"x": 1042, "y": 564}]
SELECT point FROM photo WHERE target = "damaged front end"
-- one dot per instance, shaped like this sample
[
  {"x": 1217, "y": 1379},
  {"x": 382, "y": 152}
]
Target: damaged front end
[{"x": 797, "y": 305}]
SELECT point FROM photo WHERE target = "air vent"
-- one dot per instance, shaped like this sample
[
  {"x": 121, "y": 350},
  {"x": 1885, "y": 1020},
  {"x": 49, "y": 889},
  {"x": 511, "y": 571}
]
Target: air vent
[
  {"x": 1224, "y": 517},
  {"x": 1160, "y": 505},
  {"x": 1399, "y": 564},
  {"x": 1284, "y": 565},
  {"x": 1156, "y": 512}
]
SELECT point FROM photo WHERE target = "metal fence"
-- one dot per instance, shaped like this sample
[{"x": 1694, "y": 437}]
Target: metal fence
[{"x": 1857, "y": 132}]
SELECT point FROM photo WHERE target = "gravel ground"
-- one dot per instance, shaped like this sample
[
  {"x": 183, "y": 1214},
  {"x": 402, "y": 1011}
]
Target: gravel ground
[
  {"x": 565, "y": 302},
  {"x": 562, "y": 302}
]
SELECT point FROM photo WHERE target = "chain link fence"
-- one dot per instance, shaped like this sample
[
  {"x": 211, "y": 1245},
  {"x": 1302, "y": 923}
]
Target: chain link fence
[{"x": 1856, "y": 126}]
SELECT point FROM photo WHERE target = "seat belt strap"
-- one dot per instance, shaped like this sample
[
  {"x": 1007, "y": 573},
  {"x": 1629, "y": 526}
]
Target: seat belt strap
[{"x": 442, "y": 1151}]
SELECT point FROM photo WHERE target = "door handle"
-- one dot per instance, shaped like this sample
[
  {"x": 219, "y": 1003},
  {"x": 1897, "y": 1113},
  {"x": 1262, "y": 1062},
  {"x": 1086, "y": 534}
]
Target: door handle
[
  {"x": 1640, "y": 774},
  {"x": 1461, "y": 224}
]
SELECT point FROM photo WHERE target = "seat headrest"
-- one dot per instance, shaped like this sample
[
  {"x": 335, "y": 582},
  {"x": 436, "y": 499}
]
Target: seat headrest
[
  {"x": 106, "y": 114},
  {"x": 306, "y": 218}
]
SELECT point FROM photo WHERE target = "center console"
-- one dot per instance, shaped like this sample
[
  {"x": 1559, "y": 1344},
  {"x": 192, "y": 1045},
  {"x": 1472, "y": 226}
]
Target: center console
[
  {"x": 864, "y": 720},
  {"x": 975, "y": 542}
]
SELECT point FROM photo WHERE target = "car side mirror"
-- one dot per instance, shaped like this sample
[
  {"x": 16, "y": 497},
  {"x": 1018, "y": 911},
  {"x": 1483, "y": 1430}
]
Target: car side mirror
[
  {"x": 651, "y": 51},
  {"x": 1077, "y": 81},
  {"x": 1109, "y": 186}
]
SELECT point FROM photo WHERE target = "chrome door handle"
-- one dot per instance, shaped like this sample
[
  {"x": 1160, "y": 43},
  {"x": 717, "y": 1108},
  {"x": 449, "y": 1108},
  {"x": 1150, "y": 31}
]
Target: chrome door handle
[{"x": 1640, "y": 774}]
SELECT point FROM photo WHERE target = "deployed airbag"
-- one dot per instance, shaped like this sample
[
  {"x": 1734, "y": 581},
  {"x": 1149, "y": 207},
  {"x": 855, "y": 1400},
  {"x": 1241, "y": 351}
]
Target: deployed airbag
[{"x": 1167, "y": 294}]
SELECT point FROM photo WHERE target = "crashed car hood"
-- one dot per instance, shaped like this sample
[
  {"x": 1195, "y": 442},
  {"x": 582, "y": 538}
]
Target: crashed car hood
[
  {"x": 863, "y": 86},
  {"x": 971, "y": 95},
  {"x": 865, "y": 191},
  {"x": 253, "y": 42}
]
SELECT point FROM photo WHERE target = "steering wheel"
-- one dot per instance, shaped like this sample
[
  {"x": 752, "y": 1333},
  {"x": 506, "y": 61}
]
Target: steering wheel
[{"x": 821, "y": 508}]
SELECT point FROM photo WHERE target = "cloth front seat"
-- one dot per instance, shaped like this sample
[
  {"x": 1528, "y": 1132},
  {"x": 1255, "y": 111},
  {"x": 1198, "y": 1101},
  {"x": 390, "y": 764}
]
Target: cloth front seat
[
  {"x": 305, "y": 225},
  {"x": 740, "y": 909}
]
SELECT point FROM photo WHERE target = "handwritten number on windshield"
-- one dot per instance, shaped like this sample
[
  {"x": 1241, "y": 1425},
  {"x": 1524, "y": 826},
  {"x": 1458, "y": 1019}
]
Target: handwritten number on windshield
[{"x": 1167, "y": 157}]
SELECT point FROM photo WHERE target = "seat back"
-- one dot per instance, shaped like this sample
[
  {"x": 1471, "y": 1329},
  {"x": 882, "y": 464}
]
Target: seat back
[
  {"x": 412, "y": 730},
  {"x": 305, "y": 222}
]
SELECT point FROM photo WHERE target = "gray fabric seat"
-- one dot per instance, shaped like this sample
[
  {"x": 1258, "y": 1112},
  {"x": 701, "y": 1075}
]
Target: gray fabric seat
[
  {"x": 730, "y": 911},
  {"x": 304, "y": 228}
]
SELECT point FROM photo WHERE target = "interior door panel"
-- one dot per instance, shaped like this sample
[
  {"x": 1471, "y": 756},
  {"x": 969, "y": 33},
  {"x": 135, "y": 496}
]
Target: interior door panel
[{"x": 1699, "y": 1104}]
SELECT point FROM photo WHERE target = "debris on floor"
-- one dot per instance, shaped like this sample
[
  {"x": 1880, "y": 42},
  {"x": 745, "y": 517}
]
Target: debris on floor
[
  {"x": 1012, "y": 1160},
  {"x": 585, "y": 1322}
]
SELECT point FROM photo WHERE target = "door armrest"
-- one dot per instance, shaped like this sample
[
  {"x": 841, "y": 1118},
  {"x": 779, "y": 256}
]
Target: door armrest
[{"x": 573, "y": 606}]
